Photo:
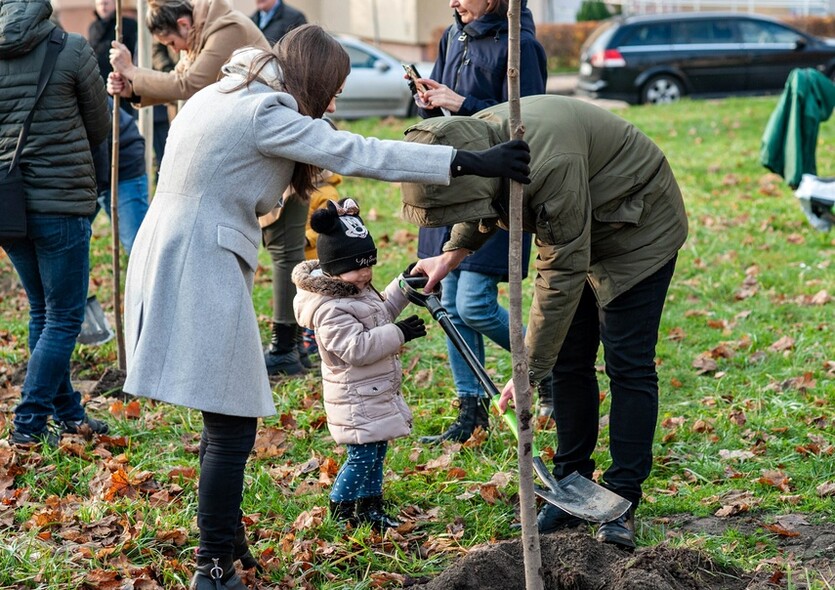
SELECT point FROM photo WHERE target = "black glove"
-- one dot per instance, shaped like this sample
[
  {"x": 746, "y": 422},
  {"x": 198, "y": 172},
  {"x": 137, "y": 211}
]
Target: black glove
[
  {"x": 508, "y": 159},
  {"x": 412, "y": 327}
]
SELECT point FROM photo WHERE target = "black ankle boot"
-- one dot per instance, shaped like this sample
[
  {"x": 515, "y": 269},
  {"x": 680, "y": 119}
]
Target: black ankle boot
[
  {"x": 216, "y": 573},
  {"x": 240, "y": 551},
  {"x": 282, "y": 355},
  {"x": 472, "y": 412},
  {"x": 620, "y": 531},
  {"x": 370, "y": 510},
  {"x": 343, "y": 511}
]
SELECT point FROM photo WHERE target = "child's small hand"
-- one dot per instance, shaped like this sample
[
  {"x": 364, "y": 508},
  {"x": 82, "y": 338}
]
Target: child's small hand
[{"x": 412, "y": 327}]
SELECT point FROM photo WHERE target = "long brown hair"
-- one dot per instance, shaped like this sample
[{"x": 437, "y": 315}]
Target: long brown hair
[{"x": 314, "y": 66}]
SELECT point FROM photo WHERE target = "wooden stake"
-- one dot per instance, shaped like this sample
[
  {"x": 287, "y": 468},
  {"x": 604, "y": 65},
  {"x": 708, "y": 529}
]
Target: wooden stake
[
  {"x": 527, "y": 498},
  {"x": 114, "y": 213}
]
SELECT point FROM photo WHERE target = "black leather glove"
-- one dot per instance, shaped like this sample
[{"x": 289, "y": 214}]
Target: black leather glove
[
  {"x": 412, "y": 327},
  {"x": 508, "y": 159}
]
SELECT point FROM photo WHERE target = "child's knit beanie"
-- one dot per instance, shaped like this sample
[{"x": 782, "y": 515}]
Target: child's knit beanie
[{"x": 344, "y": 243}]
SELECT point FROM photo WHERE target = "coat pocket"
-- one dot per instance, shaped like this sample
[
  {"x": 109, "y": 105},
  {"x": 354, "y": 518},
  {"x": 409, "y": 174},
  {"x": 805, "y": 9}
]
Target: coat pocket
[
  {"x": 629, "y": 211},
  {"x": 376, "y": 398},
  {"x": 556, "y": 223},
  {"x": 236, "y": 242}
]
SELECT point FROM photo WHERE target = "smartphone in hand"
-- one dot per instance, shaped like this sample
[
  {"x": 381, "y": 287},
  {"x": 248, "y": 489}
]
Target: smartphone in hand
[{"x": 412, "y": 73}]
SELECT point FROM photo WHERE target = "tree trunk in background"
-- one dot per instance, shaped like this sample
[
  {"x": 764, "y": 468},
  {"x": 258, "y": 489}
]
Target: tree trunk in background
[{"x": 114, "y": 213}]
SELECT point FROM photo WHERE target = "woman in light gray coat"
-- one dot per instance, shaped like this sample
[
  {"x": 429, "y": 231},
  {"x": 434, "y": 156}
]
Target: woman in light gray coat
[{"x": 191, "y": 330}]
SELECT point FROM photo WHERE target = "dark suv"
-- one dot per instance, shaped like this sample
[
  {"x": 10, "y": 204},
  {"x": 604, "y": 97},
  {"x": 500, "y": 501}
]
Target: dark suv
[{"x": 661, "y": 58}]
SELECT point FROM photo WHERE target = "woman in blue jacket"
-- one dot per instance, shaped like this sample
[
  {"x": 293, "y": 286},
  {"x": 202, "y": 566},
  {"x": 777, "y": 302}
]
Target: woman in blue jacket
[{"x": 470, "y": 74}]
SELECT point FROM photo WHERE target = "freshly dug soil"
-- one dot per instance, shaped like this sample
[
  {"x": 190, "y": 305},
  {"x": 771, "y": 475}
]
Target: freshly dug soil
[{"x": 576, "y": 561}]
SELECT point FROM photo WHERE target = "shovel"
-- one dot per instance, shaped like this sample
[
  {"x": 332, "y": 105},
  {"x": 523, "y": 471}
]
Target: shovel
[{"x": 577, "y": 495}]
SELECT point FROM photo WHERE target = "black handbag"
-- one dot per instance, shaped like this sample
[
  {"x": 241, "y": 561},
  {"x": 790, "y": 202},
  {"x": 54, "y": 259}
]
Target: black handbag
[{"x": 12, "y": 192}]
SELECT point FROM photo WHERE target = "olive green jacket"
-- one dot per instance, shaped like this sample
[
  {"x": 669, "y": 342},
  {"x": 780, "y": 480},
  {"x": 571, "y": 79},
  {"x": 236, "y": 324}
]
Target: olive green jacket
[{"x": 603, "y": 204}]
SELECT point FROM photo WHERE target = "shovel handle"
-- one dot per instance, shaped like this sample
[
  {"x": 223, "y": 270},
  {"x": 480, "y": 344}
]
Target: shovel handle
[{"x": 442, "y": 317}]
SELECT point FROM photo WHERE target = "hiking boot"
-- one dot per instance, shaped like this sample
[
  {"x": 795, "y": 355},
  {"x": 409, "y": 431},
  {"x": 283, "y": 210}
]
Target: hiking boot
[
  {"x": 46, "y": 437},
  {"x": 472, "y": 412},
  {"x": 282, "y": 355},
  {"x": 78, "y": 426},
  {"x": 620, "y": 531},
  {"x": 370, "y": 510},
  {"x": 553, "y": 518},
  {"x": 216, "y": 573}
]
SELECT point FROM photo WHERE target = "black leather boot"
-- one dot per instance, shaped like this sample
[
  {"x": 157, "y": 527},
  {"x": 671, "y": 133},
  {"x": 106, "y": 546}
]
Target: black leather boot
[
  {"x": 472, "y": 412},
  {"x": 620, "y": 531},
  {"x": 282, "y": 355},
  {"x": 216, "y": 573},
  {"x": 344, "y": 511},
  {"x": 240, "y": 551},
  {"x": 370, "y": 510}
]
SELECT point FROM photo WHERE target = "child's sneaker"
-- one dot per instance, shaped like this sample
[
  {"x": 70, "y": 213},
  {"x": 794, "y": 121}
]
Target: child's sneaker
[
  {"x": 48, "y": 438},
  {"x": 76, "y": 426}
]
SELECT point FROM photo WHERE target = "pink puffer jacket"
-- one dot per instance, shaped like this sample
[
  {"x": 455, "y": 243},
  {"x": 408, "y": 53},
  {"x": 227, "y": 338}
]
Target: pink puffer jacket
[{"x": 359, "y": 346}]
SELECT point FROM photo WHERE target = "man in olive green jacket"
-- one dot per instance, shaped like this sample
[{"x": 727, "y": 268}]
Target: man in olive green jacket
[{"x": 609, "y": 220}]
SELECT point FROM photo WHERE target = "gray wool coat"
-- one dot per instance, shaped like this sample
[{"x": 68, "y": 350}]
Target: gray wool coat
[{"x": 191, "y": 332}]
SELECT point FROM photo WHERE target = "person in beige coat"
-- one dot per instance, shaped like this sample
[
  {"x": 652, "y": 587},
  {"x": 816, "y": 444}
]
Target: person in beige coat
[
  {"x": 207, "y": 30},
  {"x": 359, "y": 345}
]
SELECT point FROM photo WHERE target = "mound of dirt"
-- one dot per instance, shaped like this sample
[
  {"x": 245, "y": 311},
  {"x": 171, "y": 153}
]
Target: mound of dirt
[{"x": 576, "y": 561}]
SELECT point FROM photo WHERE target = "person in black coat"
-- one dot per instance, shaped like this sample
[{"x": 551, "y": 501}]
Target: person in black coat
[
  {"x": 275, "y": 18},
  {"x": 102, "y": 33}
]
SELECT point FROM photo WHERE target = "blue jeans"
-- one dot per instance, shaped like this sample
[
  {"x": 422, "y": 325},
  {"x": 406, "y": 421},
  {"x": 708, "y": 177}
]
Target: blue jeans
[
  {"x": 53, "y": 262},
  {"x": 471, "y": 299},
  {"x": 133, "y": 205},
  {"x": 361, "y": 476},
  {"x": 628, "y": 329}
]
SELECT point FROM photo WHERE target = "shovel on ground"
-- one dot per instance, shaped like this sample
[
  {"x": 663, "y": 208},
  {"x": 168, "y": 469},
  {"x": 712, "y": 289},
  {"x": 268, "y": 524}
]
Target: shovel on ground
[{"x": 577, "y": 495}]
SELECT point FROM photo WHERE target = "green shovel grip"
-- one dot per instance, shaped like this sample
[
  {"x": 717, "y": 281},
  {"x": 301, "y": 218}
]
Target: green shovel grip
[{"x": 509, "y": 417}]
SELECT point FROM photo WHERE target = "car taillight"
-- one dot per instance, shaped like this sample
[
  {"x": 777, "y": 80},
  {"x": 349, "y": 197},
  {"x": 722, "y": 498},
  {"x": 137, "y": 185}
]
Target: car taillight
[{"x": 609, "y": 58}]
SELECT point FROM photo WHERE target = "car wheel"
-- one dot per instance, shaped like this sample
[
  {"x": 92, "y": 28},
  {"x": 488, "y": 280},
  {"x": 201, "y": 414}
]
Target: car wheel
[{"x": 662, "y": 89}]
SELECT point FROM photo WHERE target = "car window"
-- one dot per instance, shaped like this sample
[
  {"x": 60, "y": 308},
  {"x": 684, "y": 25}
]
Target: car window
[
  {"x": 703, "y": 31},
  {"x": 359, "y": 58},
  {"x": 600, "y": 37},
  {"x": 649, "y": 34},
  {"x": 763, "y": 32}
]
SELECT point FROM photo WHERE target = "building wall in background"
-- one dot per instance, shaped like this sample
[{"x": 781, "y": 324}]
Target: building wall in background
[{"x": 409, "y": 29}]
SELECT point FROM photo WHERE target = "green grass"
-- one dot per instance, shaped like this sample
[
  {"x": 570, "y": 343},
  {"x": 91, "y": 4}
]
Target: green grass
[{"x": 772, "y": 406}]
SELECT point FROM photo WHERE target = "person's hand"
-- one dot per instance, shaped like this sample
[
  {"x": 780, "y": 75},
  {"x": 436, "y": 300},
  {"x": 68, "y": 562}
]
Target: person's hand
[
  {"x": 508, "y": 393},
  {"x": 437, "y": 267},
  {"x": 439, "y": 95},
  {"x": 412, "y": 327},
  {"x": 509, "y": 159},
  {"x": 116, "y": 86},
  {"x": 121, "y": 59}
]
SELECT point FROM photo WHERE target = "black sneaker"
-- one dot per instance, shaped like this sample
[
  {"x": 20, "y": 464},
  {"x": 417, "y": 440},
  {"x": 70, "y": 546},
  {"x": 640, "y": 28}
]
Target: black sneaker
[
  {"x": 78, "y": 426},
  {"x": 47, "y": 437}
]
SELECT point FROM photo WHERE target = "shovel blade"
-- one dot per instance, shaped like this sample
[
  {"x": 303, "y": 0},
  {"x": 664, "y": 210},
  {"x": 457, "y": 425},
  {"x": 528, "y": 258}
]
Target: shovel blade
[{"x": 579, "y": 496}]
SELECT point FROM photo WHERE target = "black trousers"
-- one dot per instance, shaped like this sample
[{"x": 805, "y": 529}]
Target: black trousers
[
  {"x": 628, "y": 329},
  {"x": 225, "y": 445}
]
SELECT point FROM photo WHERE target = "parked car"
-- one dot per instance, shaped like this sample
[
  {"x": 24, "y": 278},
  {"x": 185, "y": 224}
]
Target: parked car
[
  {"x": 660, "y": 58},
  {"x": 375, "y": 87}
]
